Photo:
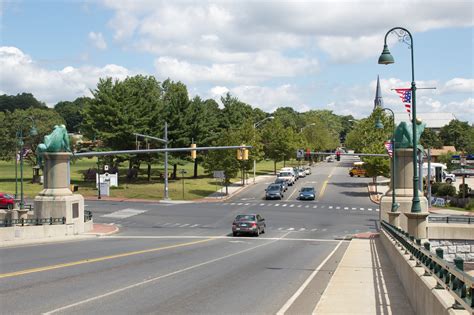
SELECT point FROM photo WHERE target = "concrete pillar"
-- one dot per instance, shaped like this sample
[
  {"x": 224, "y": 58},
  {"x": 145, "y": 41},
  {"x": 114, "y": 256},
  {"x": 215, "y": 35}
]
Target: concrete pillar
[
  {"x": 56, "y": 199},
  {"x": 413, "y": 224}
]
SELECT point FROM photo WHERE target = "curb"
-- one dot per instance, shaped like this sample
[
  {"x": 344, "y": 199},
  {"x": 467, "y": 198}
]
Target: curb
[
  {"x": 98, "y": 234},
  {"x": 372, "y": 195}
]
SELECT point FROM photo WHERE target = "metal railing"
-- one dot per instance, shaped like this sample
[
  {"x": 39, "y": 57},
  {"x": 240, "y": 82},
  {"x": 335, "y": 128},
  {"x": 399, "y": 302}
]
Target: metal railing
[
  {"x": 87, "y": 215},
  {"x": 451, "y": 219},
  {"x": 448, "y": 276},
  {"x": 36, "y": 221}
]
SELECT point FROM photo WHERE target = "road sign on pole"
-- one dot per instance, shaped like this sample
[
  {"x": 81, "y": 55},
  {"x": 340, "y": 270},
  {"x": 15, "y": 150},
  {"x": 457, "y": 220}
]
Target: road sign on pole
[{"x": 300, "y": 153}]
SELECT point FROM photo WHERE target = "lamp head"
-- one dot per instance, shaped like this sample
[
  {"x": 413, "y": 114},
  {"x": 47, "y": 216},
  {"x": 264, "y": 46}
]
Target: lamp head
[
  {"x": 378, "y": 124},
  {"x": 386, "y": 57}
]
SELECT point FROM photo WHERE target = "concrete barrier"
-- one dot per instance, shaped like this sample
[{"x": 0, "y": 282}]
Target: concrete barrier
[{"x": 420, "y": 289}]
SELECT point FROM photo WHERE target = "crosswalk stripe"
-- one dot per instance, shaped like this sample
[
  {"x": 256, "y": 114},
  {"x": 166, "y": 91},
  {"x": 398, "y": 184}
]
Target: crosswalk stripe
[
  {"x": 361, "y": 209},
  {"x": 370, "y": 209},
  {"x": 299, "y": 206},
  {"x": 239, "y": 204},
  {"x": 232, "y": 204},
  {"x": 277, "y": 205},
  {"x": 306, "y": 206},
  {"x": 330, "y": 207},
  {"x": 290, "y": 229},
  {"x": 184, "y": 225},
  {"x": 346, "y": 208},
  {"x": 284, "y": 205},
  {"x": 315, "y": 207},
  {"x": 124, "y": 213},
  {"x": 302, "y": 229},
  {"x": 354, "y": 208},
  {"x": 324, "y": 230},
  {"x": 337, "y": 208},
  {"x": 246, "y": 204},
  {"x": 291, "y": 206},
  {"x": 262, "y": 204},
  {"x": 194, "y": 225},
  {"x": 279, "y": 229},
  {"x": 314, "y": 230},
  {"x": 377, "y": 210}
]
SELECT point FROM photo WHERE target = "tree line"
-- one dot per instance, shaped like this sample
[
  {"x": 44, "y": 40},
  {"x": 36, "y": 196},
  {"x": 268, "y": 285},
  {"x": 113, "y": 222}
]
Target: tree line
[{"x": 141, "y": 104}]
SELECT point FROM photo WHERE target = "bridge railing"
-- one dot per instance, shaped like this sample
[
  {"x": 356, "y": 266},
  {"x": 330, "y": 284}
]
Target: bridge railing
[
  {"x": 450, "y": 277},
  {"x": 451, "y": 219}
]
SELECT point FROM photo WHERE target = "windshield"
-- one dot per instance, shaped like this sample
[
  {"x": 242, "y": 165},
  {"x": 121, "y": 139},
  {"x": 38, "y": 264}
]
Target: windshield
[
  {"x": 245, "y": 217},
  {"x": 307, "y": 189},
  {"x": 285, "y": 174},
  {"x": 7, "y": 196},
  {"x": 274, "y": 187}
]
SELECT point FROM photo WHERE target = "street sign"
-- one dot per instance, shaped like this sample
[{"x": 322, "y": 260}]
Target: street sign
[
  {"x": 219, "y": 174},
  {"x": 299, "y": 153}
]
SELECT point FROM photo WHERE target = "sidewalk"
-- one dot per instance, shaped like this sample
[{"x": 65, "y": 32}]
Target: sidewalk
[
  {"x": 235, "y": 188},
  {"x": 364, "y": 282}
]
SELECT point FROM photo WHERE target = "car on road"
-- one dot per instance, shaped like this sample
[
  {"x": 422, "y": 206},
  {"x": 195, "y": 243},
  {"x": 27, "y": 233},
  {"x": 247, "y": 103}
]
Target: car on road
[
  {"x": 330, "y": 158},
  {"x": 274, "y": 191},
  {"x": 463, "y": 172},
  {"x": 283, "y": 182},
  {"x": 6, "y": 201},
  {"x": 308, "y": 170},
  {"x": 287, "y": 175},
  {"x": 248, "y": 224},
  {"x": 307, "y": 193},
  {"x": 301, "y": 172}
]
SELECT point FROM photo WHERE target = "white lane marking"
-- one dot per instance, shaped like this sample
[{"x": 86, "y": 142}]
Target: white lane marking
[
  {"x": 220, "y": 237},
  {"x": 284, "y": 205},
  {"x": 330, "y": 207},
  {"x": 290, "y": 229},
  {"x": 299, "y": 206},
  {"x": 314, "y": 230},
  {"x": 302, "y": 229},
  {"x": 306, "y": 206},
  {"x": 279, "y": 229},
  {"x": 324, "y": 230},
  {"x": 232, "y": 204},
  {"x": 322, "y": 207},
  {"x": 377, "y": 210},
  {"x": 354, "y": 208},
  {"x": 184, "y": 225},
  {"x": 262, "y": 204},
  {"x": 167, "y": 223},
  {"x": 346, "y": 208},
  {"x": 194, "y": 225},
  {"x": 315, "y": 207},
  {"x": 97, "y": 297},
  {"x": 361, "y": 209},
  {"x": 291, "y": 206},
  {"x": 277, "y": 205},
  {"x": 294, "y": 190},
  {"x": 239, "y": 204},
  {"x": 337, "y": 208},
  {"x": 246, "y": 204},
  {"x": 298, "y": 292},
  {"x": 370, "y": 209},
  {"x": 124, "y": 213},
  {"x": 176, "y": 224}
]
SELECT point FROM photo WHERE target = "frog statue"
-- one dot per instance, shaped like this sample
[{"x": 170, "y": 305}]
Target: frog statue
[
  {"x": 57, "y": 141},
  {"x": 404, "y": 134}
]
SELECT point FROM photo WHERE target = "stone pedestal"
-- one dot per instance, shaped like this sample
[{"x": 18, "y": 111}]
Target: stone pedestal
[
  {"x": 404, "y": 195},
  {"x": 393, "y": 218},
  {"x": 416, "y": 224},
  {"x": 56, "y": 199}
]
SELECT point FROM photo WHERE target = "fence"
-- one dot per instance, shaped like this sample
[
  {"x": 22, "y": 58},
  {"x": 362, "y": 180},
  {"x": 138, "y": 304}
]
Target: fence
[
  {"x": 451, "y": 219},
  {"x": 448, "y": 276},
  {"x": 37, "y": 221}
]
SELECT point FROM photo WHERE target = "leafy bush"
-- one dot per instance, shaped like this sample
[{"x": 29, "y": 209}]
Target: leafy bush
[
  {"x": 465, "y": 188},
  {"x": 470, "y": 205},
  {"x": 445, "y": 189},
  {"x": 435, "y": 188}
]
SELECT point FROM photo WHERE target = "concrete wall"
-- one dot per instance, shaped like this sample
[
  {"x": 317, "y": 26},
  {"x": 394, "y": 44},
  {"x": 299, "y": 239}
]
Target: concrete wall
[
  {"x": 423, "y": 296},
  {"x": 37, "y": 232},
  {"x": 452, "y": 248}
]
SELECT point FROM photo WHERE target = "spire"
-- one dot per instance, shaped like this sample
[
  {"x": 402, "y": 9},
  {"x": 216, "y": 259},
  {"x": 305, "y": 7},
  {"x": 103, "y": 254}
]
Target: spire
[{"x": 378, "y": 102}]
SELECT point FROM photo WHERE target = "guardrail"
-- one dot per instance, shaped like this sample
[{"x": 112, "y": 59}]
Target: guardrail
[
  {"x": 37, "y": 221},
  {"x": 451, "y": 219},
  {"x": 87, "y": 215},
  {"x": 448, "y": 276}
]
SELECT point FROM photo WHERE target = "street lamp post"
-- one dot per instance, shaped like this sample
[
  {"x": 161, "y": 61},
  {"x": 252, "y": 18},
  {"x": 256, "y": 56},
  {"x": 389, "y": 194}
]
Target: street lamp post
[
  {"x": 33, "y": 132},
  {"x": 379, "y": 125},
  {"x": 385, "y": 59},
  {"x": 254, "y": 159}
]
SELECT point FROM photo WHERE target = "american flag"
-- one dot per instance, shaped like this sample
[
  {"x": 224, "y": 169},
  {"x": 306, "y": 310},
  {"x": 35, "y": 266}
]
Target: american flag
[
  {"x": 389, "y": 148},
  {"x": 405, "y": 95}
]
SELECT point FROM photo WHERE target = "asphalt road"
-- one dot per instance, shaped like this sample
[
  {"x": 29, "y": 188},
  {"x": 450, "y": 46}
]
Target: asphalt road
[{"x": 180, "y": 258}]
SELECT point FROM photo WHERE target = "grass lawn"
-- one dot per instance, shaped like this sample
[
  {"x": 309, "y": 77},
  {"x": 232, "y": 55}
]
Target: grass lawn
[{"x": 194, "y": 188}]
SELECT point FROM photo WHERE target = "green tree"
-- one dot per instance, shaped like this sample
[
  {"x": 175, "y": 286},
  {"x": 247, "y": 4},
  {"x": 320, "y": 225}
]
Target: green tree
[
  {"x": 289, "y": 118},
  {"x": 459, "y": 134},
  {"x": 71, "y": 112},
  {"x": 430, "y": 139},
  {"x": 20, "y": 101},
  {"x": 234, "y": 112}
]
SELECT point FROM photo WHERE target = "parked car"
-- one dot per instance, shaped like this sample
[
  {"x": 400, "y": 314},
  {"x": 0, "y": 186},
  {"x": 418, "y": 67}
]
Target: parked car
[
  {"x": 283, "y": 182},
  {"x": 6, "y": 201},
  {"x": 248, "y": 224},
  {"x": 274, "y": 191},
  {"x": 307, "y": 193}
]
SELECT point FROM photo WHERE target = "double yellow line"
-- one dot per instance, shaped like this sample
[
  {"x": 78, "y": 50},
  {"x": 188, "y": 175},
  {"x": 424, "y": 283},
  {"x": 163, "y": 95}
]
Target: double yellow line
[
  {"x": 321, "y": 192},
  {"x": 92, "y": 260}
]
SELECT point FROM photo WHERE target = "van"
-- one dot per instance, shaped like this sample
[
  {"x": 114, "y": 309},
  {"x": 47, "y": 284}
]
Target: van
[
  {"x": 358, "y": 170},
  {"x": 438, "y": 173}
]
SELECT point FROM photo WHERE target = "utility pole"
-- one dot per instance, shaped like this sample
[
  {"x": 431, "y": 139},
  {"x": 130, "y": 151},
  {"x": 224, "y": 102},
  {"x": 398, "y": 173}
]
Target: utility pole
[{"x": 166, "y": 196}]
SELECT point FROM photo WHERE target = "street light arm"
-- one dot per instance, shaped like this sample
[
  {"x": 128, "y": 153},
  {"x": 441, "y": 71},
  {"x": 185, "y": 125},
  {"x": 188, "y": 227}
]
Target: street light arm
[{"x": 255, "y": 125}]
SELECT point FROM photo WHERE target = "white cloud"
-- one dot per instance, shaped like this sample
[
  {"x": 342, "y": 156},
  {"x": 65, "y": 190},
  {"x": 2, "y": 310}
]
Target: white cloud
[
  {"x": 98, "y": 40},
  {"x": 21, "y": 74},
  {"x": 458, "y": 85}
]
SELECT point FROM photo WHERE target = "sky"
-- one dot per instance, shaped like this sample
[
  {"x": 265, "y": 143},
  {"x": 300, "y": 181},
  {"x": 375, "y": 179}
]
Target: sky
[{"x": 301, "y": 54}]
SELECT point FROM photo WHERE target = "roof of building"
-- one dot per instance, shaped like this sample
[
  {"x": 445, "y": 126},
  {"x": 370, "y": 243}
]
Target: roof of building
[
  {"x": 432, "y": 120},
  {"x": 443, "y": 150}
]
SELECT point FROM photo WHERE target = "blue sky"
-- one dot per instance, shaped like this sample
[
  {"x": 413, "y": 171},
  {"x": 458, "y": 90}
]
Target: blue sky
[{"x": 306, "y": 54}]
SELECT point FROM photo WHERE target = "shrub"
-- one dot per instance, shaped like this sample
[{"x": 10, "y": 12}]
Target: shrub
[
  {"x": 470, "y": 205},
  {"x": 445, "y": 189},
  {"x": 435, "y": 188},
  {"x": 465, "y": 188}
]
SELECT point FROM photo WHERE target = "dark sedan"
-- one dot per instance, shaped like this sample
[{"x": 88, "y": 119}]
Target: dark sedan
[
  {"x": 249, "y": 224},
  {"x": 307, "y": 193},
  {"x": 274, "y": 191}
]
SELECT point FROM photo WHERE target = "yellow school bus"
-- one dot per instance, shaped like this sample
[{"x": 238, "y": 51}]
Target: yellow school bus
[{"x": 358, "y": 170}]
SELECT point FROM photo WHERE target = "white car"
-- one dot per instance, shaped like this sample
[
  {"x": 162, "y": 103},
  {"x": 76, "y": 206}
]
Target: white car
[
  {"x": 288, "y": 176},
  {"x": 308, "y": 171},
  {"x": 301, "y": 172}
]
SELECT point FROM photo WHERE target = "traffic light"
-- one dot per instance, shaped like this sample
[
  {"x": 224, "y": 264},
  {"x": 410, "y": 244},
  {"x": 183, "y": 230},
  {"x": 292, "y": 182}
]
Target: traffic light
[
  {"x": 193, "y": 152},
  {"x": 239, "y": 154},
  {"x": 242, "y": 154},
  {"x": 338, "y": 155},
  {"x": 245, "y": 155}
]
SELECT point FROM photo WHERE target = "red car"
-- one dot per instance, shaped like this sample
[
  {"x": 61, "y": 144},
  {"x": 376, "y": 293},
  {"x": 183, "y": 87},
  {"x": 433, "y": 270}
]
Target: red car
[{"x": 6, "y": 201}]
